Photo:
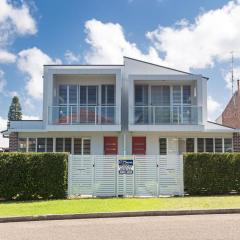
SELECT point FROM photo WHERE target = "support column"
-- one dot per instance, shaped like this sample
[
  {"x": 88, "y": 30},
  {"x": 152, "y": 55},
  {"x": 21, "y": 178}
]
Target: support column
[
  {"x": 13, "y": 142},
  {"x": 236, "y": 142}
]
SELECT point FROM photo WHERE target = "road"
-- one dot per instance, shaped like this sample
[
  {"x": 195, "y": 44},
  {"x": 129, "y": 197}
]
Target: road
[{"x": 202, "y": 227}]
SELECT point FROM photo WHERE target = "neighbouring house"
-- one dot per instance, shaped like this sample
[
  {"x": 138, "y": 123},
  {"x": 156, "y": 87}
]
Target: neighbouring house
[
  {"x": 231, "y": 114},
  {"x": 137, "y": 108}
]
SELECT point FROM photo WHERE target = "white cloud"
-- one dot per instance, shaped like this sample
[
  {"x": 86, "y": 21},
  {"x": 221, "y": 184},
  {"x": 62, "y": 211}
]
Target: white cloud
[
  {"x": 228, "y": 78},
  {"x": 30, "y": 61},
  {"x": 2, "y": 81},
  {"x": 108, "y": 44},
  {"x": 3, "y": 126},
  {"x": 7, "y": 57},
  {"x": 14, "y": 21},
  {"x": 198, "y": 45},
  {"x": 71, "y": 57},
  {"x": 214, "y": 108},
  {"x": 18, "y": 18}
]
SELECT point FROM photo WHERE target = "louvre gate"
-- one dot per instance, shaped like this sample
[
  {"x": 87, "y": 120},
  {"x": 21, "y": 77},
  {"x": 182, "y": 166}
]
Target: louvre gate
[{"x": 98, "y": 175}]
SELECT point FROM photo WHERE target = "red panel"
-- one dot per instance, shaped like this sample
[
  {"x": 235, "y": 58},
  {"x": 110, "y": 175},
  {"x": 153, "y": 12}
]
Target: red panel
[
  {"x": 110, "y": 145},
  {"x": 139, "y": 145}
]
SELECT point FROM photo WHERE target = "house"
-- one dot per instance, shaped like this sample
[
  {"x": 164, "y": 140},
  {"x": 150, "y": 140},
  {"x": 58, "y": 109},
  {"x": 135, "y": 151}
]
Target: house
[
  {"x": 137, "y": 108},
  {"x": 231, "y": 114}
]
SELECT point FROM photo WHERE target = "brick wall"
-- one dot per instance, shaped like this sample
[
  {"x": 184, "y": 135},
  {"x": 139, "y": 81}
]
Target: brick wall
[
  {"x": 13, "y": 142},
  {"x": 231, "y": 114},
  {"x": 236, "y": 142}
]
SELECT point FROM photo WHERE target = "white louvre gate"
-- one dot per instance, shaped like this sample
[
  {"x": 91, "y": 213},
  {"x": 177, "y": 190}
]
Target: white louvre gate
[{"x": 153, "y": 175}]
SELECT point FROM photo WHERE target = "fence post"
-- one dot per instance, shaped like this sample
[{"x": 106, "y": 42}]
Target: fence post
[
  {"x": 181, "y": 175},
  {"x": 69, "y": 175}
]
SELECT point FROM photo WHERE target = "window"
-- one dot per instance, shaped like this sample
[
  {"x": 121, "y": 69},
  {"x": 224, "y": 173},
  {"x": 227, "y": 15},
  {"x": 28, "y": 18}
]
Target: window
[
  {"x": 59, "y": 144},
  {"x": 141, "y": 95},
  {"x": 86, "y": 143},
  {"x": 88, "y": 95},
  {"x": 32, "y": 144},
  {"x": 68, "y": 145},
  {"x": 227, "y": 145},
  {"x": 108, "y": 95},
  {"x": 163, "y": 146},
  {"x": 200, "y": 144},
  {"x": 190, "y": 145},
  {"x": 49, "y": 145},
  {"x": 82, "y": 146},
  {"x": 62, "y": 94},
  {"x": 160, "y": 95},
  {"x": 209, "y": 144},
  {"x": 77, "y": 146},
  {"x": 22, "y": 144},
  {"x": 41, "y": 145},
  {"x": 176, "y": 95},
  {"x": 73, "y": 94},
  {"x": 218, "y": 145},
  {"x": 186, "y": 94}
]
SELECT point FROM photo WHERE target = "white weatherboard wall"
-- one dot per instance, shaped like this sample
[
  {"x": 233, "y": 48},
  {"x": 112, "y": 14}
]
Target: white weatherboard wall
[{"x": 153, "y": 175}]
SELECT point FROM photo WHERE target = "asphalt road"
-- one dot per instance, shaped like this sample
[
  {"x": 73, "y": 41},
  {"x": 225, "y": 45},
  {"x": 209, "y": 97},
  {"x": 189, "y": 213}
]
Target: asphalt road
[{"x": 212, "y": 227}]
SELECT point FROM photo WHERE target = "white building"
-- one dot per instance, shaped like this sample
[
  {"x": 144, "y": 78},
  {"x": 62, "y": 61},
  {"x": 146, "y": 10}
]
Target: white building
[{"x": 134, "y": 108}]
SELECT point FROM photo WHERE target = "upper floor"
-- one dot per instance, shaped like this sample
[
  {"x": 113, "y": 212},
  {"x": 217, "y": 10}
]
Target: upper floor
[{"x": 134, "y": 96}]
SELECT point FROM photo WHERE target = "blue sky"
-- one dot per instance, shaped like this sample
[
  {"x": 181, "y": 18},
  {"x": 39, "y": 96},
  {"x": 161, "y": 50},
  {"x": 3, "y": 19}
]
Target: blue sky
[{"x": 195, "y": 36}]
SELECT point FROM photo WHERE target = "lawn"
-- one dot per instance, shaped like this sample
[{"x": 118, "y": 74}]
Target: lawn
[{"x": 115, "y": 205}]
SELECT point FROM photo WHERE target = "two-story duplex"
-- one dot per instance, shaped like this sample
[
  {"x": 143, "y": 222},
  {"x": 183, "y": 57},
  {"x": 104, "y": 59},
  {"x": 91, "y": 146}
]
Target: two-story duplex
[{"x": 137, "y": 108}]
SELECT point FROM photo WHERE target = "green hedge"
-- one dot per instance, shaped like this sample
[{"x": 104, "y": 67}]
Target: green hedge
[
  {"x": 27, "y": 176},
  {"x": 212, "y": 173}
]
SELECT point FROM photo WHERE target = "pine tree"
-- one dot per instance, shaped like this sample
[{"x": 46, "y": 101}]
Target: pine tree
[{"x": 15, "y": 110}]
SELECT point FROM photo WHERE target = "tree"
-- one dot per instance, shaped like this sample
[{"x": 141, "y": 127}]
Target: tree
[{"x": 15, "y": 110}]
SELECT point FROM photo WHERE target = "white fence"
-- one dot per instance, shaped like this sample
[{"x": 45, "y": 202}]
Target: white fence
[{"x": 99, "y": 175}]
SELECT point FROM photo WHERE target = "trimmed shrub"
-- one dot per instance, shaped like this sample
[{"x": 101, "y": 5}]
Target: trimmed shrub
[
  {"x": 28, "y": 176},
  {"x": 211, "y": 173}
]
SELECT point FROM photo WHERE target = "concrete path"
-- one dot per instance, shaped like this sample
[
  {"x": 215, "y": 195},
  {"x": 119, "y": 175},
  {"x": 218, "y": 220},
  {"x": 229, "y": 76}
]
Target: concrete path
[{"x": 198, "y": 227}]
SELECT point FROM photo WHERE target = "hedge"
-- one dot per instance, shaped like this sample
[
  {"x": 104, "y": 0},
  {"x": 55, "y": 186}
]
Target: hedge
[
  {"x": 29, "y": 176},
  {"x": 212, "y": 173}
]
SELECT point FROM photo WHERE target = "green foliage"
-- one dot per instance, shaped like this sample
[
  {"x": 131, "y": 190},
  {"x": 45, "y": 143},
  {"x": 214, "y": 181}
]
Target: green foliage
[
  {"x": 15, "y": 110},
  {"x": 27, "y": 176},
  {"x": 212, "y": 173}
]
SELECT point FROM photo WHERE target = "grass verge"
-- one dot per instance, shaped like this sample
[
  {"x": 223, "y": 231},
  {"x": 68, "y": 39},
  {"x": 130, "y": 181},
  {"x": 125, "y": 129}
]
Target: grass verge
[{"x": 115, "y": 205}]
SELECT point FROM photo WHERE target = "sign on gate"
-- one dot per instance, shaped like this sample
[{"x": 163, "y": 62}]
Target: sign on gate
[{"x": 125, "y": 165}]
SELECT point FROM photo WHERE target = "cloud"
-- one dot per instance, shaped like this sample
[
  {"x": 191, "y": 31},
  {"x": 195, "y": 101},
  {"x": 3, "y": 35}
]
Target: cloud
[
  {"x": 7, "y": 57},
  {"x": 214, "y": 108},
  {"x": 228, "y": 78},
  {"x": 2, "y": 81},
  {"x": 71, "y": 57},
  {"x": 30, "y": 61},
  {"x": 18, "y": 19},
  {"x": 108, "y": 44},
  {"x": 3, "y": 126},
  {"x": 200, "y": 44},
  {"x": 14, "y": 21}
]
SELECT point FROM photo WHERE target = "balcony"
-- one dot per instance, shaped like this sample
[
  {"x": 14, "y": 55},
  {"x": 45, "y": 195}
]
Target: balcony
[
  {"x": 83, "y": 115},
  {"x": 167, "y": 115}
]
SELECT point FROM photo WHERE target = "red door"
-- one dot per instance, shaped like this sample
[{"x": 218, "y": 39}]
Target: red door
[
  {"x": 139, "y": 145},
  {"x": 110, "y": 145}
]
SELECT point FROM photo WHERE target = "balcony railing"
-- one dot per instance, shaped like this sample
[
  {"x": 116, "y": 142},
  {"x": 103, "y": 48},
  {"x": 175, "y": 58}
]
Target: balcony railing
[
  {"x": 160, "y": 115},
  {"x": 95, "y": 115}
]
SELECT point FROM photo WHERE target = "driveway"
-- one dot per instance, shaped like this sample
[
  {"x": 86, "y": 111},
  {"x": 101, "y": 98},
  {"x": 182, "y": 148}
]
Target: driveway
[{"x": 224, "y": 227}]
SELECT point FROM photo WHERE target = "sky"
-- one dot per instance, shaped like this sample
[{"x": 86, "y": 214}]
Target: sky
[{"x": 196, "y": 36}]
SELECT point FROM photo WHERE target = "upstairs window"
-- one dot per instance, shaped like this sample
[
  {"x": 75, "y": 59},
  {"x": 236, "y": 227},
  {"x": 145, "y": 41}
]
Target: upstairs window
[
  {"x": 108, "y": 95},
  {"x": 186, "y": 94},
  {"x": 141, "y": 95},
  {"x": 62, "y": 95}
]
